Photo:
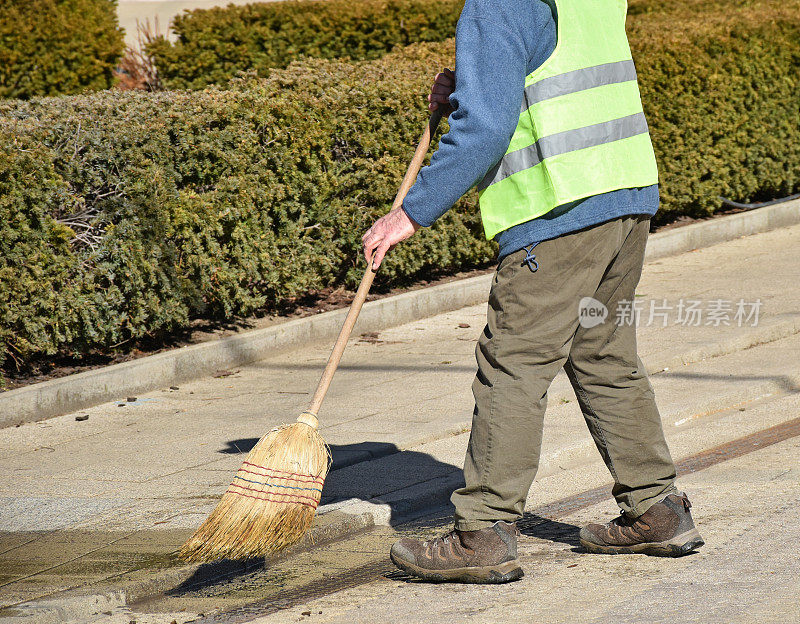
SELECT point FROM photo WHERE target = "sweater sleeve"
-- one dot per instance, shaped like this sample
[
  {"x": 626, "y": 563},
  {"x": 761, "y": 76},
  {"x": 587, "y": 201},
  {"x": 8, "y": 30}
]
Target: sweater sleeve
[{"x": 491, "y": 64}]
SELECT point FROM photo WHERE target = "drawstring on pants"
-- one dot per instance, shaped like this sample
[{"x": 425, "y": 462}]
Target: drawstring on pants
[{"x": 530, "y": 259}]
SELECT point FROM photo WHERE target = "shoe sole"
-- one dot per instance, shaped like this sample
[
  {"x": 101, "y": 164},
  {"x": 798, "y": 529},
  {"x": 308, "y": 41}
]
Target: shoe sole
[
  {"x": 490, "y": 575},
  {"x": 678, "y": 546}
]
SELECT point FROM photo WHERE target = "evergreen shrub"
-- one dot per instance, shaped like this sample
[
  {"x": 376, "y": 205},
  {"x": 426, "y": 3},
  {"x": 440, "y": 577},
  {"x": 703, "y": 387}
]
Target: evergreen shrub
[
  {"x": 123, "y": 216},
  {"x": 52, "y": 47},
  {"x": 214, "y": 44}
]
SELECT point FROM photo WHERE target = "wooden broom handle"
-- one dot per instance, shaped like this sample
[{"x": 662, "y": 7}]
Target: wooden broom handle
[{"x": 366, "y": 281}]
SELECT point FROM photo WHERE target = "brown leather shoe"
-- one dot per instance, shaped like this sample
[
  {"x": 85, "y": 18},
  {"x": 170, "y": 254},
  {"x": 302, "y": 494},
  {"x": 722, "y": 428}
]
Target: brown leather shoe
[
  {"x": 485, "y": 556},
  {"x": 664, "y": 530}
]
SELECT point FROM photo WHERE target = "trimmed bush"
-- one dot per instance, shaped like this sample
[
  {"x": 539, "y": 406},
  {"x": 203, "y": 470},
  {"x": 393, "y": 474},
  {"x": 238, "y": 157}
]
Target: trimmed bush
[
  {"x": 214, "y": 44},
  {"x": 125, "y": 215},
  {"x": 720, "y": 83},
  {"x": 52, "y": 47}
]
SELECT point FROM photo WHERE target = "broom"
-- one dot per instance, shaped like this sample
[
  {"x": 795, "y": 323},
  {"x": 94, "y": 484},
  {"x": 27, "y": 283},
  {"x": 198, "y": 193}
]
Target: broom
[{"x": 273, "y": 497}]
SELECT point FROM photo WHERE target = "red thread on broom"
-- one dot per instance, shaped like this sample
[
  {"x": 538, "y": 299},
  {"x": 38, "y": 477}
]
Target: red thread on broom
[
  {"x": 271, "y": 500},
  {"x": 275, "y": 493},
  {"x": 294, "y": 474},
  {"x": 317, "y": 480},
  {"x": 277, "y": 485}
]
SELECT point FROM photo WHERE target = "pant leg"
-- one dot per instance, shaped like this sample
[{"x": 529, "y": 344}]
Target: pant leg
[
  {"x": 613, "y": 390},
  {"x": 531, "y": 320}
]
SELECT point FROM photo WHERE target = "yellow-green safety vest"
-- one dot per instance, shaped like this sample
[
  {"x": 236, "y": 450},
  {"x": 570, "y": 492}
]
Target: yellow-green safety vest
[{"x": 581, "y": 131}]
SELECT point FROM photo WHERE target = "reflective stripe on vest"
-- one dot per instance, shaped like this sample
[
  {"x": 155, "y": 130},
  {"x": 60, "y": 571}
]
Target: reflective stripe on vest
[
  {"x": 564, "y": 142},
  {"x": 579, "y": 80},
  {"x": 581, "y": 130}
]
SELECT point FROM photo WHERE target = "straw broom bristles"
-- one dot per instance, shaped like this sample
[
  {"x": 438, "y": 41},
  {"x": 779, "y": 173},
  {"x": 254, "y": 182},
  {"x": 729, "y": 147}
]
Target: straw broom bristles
[{"x": 272, "y": 500}]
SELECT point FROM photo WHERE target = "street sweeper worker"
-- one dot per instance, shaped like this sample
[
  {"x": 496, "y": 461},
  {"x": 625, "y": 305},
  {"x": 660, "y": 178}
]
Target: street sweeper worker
[{"x": 546, "y": 121}]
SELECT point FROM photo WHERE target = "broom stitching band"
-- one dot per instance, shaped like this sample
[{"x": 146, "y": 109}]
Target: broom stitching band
[
  {"x": 266, "y": 497},
  {"x": 258, "y": 474},
  {"x": 268, "y": 484},
  {"x": 270, "y": 500},
  {"x": 287, "y": 494},
  {"x": 282, "y": 494},
  {"x": 301, "y": 476}
]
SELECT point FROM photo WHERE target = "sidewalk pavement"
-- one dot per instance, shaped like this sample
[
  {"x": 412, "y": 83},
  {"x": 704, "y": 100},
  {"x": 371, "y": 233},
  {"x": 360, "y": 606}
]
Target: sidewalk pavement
[
  {"x": 747, "y": 510},
  {"x": 84, "y": 501}
]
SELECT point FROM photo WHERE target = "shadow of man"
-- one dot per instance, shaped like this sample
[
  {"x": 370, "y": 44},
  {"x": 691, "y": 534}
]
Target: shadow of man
[
  {"x": 352, "y": 477},
  {"x": 533, "y": 525},
  {"x": 349, "y": 484},
  {"x": 341, "y": 485}
]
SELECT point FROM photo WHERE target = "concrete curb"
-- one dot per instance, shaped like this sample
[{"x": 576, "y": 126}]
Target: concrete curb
[
  {"x": 763, "y": 334},
  {"x": 60, "y": 396},
  {"x": 714, "y": 231},
  {"x": 421, "y": 498}
]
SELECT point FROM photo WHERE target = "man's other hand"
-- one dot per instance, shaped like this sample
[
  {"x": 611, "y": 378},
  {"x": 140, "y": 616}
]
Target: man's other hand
[
  {"x": 443, "y": 85},
  {"x": 385, "y": 233}
]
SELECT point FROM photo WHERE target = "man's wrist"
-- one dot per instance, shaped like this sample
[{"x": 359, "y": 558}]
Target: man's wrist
[
  {"x": 414, "y": 223},
  {"x": 415, "y": 218}
]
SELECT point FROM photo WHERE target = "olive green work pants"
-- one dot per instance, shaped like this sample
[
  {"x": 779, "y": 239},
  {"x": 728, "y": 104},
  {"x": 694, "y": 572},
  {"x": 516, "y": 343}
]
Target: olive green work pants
[{"x": 532, "y": 331}]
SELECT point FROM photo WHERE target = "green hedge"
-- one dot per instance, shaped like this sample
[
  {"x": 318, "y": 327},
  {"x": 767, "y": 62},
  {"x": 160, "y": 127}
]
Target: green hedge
[
  {"x": 720, "y": 82},
  {"x": 214, "y": 44},
  {"x": 125, "y": 215},
  {"x": 52, "y": 47}
]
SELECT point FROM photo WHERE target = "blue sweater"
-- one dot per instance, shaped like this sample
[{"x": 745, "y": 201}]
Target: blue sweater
[{"x": 498, "y": 43}]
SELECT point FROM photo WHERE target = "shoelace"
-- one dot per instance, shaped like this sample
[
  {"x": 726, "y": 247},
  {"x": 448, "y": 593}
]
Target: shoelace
[{"x": 444, "y": 539}]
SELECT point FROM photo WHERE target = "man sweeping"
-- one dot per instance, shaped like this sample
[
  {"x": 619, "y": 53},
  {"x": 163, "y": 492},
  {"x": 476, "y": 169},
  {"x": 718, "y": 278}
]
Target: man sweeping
[{"x": 546, "y": 119}]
